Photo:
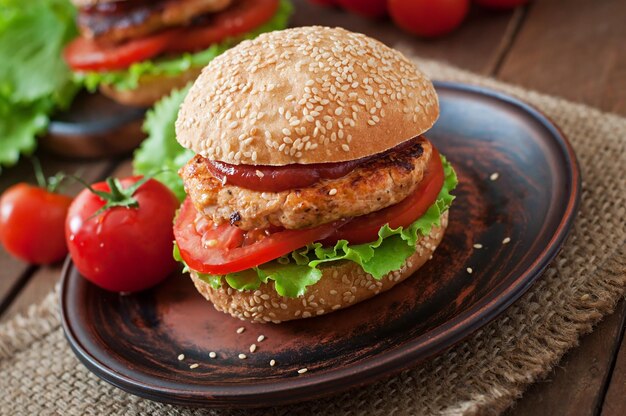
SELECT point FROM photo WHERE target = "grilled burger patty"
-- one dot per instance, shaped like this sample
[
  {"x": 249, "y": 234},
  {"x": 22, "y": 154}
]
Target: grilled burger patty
[
  {"x": 127, "y": 19},
  {"x": 372, "y": 186}
]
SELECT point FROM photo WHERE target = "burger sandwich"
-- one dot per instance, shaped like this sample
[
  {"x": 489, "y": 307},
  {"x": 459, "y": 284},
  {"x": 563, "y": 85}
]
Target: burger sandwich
[
  {"x": 313, "y": 187},
  {"x": 137, "y": 51}
]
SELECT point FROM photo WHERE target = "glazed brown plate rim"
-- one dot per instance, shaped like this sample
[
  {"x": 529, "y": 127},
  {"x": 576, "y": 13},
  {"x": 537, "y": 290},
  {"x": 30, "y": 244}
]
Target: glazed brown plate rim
[{"x": 382, "y": 364}]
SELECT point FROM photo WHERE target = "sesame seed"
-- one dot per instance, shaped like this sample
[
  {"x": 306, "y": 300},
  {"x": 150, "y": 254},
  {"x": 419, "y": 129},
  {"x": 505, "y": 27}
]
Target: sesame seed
[
  {"x": 469, "y": 270},
  {"x": 345, "y": 147},
  {"x": 181, "y": 357},
  {"x": 303, "y": 370},
  {"x": 332, "y": 192},
  {"x": 240, "y": 330},
  {"x": 338, "y": 111},
  {"x": 260, "y": 338},
  {"x": 272, "y": 363},
  {"x": 192, "y": 366},
  {"x": 253, "y": 348},
  {"x": 478, "y": 245},
  {"x": 494, "y": 176},
  {"x": 507, "y": 240},
  {"x": 212, "y": 354},
  {"x": 242, "y": 356}
]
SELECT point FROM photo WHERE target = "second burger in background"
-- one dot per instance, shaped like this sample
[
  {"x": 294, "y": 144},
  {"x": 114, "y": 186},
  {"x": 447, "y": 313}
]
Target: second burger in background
[{"x": 137, "y": 51}]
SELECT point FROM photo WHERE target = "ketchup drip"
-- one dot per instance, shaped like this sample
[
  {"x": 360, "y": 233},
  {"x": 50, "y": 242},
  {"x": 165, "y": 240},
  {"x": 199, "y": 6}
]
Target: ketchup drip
[{"x": 281, "y": 178}]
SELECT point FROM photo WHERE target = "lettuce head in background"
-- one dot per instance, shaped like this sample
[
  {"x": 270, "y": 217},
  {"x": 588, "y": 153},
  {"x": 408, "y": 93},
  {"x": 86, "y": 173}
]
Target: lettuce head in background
[{"x": 34, "y": 79}]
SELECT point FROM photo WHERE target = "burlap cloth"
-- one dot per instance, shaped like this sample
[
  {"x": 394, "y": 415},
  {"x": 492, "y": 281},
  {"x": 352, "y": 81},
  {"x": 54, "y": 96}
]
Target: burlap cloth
[{"x": 483, "y": 375}]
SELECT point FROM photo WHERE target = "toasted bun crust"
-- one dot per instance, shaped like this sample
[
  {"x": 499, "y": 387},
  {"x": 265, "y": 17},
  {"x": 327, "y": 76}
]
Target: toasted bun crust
[
  {"x": 305, "y": 95},
  {"x": 342, "y": 285},
  {"x": 150, "y": 88}
]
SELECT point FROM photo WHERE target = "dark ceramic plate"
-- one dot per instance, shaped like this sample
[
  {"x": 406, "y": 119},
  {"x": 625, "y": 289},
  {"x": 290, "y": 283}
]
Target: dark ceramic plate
[
  {"x": 133, "y": 341},
  {"x": 94, "y": 127}
]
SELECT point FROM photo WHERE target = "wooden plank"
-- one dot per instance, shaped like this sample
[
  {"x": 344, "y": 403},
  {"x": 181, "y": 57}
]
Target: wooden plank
[
  {"x": 476, "y": 45},
  {"x": 15, "y": 272},
  {"x": 615, "y": 400},
  {"x": 575, "y": 49},
  {"x": 576, "y": 385},
  {"x": 44, "y": 279}
]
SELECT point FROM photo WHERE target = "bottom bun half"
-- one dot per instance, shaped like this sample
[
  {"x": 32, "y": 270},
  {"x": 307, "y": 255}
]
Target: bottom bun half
[
  {"x": 151, "y": 88},
  {"x": 342, "y": 284}
]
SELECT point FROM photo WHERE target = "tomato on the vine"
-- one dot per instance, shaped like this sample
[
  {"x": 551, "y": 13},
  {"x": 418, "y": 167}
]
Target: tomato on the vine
[
  {"x": 31, "y": 223},
  {"x": 428, "y": 18},
  {"x": 119, "y": 233}
]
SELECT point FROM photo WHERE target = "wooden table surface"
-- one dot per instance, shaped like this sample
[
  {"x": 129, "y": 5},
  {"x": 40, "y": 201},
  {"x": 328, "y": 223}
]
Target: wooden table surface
[{"x": 570, "y": 48}]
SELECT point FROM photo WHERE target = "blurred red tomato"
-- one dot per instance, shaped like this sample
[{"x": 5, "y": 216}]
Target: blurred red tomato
[
  {"x": 325, "y": 2},
  {"x": 32, "y": 222},
  {"x": 367, "y": 8},
  {"x": 501, "y": 4},
  {"x": 428, "y": 18}
]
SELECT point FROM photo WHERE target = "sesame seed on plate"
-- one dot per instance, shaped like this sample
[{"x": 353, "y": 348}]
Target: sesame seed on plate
[
  {"x": 507, "y": 240},
  {"x": 260, "y": 338},
  {"x": 192, "y": 366},
  {"x": 212, "y": 354},
  {"x": 303, "y": 370},
  {"x": 469, "y": 270},
  {"x": 253, "y": 348},
  {"x": 181, "y": 357},
  {"x": 494, "y": 176},
  {"x": 242, "y": 356},
  {"x": 240, "y": 330},
  {"x": 272, "y": 363},
  {"x": 478, "y": 245}
]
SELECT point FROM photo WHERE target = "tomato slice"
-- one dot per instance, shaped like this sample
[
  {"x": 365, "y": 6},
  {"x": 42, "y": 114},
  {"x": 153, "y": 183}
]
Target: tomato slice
[
  {"x": 242, "y": 17},
  {"x": 223, "y": 249},
  {"x": 364, "y": 229},
  {"x": 87, "y": 55},
  {"x": 223, "y": 255}
]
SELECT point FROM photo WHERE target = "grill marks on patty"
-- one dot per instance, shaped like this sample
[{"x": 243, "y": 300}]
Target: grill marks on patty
[
  {"x": 370, "y": 187},
  {"x": 133, "y": 19}
]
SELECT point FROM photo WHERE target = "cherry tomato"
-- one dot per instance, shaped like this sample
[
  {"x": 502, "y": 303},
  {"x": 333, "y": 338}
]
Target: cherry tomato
[
  {"x": 501, "y": 4},
  {"x": 207, "y": 251},
  {"x": 367, "y": 8},
  {"x": 242, "y": 17},
  {"x": 31, "y": 223},
  {"x": 124, "y": 248},
  {"x": 428, "y": 18},
  {"x": 83, "y": 54}
]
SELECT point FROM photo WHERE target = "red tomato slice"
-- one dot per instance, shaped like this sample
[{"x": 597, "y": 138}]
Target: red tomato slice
[
  {"x": 364, "y": 229},
  {"x": 86, "y": 55},
  {"x": 240, "y": 18},
  {"x": 222, "y": 255}
]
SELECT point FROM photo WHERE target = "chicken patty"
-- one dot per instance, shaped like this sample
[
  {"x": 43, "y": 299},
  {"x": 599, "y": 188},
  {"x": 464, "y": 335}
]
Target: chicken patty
[
  {"x": 139, "y": 18},
  {"x": 373, "y": 185}
]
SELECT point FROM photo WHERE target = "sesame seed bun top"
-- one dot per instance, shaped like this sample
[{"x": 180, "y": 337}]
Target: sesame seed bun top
[{"x": 305, "y": 95}]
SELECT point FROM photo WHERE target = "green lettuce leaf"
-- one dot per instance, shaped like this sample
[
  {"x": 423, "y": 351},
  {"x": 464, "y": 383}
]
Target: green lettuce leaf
[
  {"x": 160, "y": 150},
  {"x": 129, "y": 78},
  {"x": 292, "y": 274},
  {"x": 34, "y": 79}
]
